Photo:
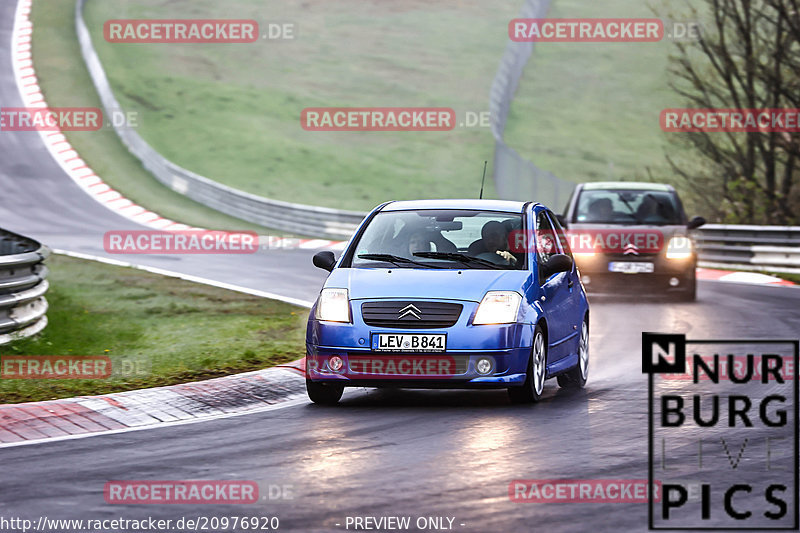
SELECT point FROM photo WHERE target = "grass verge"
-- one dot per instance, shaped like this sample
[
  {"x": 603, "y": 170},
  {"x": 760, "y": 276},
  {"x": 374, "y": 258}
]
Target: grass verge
[
  {"x": 180, "y": 331},
  {"x": 231, "y": 112},
  {"x": 794, "y": 278},
  {"x": 65, "y": 82},
  {"x": 590, "y": 111}
]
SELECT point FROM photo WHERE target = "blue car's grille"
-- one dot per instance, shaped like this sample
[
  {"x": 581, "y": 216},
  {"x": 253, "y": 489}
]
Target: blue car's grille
[{"x": 410, "y": 314}]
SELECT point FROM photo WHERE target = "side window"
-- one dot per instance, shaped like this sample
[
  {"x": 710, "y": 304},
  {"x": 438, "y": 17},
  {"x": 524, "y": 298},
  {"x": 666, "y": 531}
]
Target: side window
[
  {"x": 546, "y": 242},
  {"x": 563, "y": 238}
]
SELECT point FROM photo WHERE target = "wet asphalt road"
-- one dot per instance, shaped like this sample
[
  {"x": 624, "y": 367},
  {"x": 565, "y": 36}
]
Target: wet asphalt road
[
  {"x": 429, "y": 453},
  {"x": 379, "y": 453}
]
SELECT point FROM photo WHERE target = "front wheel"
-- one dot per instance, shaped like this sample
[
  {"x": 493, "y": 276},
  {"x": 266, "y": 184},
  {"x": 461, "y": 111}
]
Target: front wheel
[
  {"x": 576, "y": 377},
  {"x": 324, "y": 393},
  {"x": 531, "y": 390}
]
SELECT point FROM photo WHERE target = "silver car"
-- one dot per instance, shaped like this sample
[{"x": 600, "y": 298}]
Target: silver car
[{"x": 632, "y": 237}]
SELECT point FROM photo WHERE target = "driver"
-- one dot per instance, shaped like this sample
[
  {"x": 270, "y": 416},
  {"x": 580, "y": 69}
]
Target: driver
[
  {"x": 601, "y": 210},
  {"x": 419, "y": 241},
  {"x": 495, "y": 240}
]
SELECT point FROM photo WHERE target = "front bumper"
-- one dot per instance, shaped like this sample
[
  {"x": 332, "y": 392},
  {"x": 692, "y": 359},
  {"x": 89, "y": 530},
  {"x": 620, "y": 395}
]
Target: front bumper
[
  {"x": 453, "y": 369},
  {"x": 508, "y": 346},
  {"x": 669, "y": 275}
]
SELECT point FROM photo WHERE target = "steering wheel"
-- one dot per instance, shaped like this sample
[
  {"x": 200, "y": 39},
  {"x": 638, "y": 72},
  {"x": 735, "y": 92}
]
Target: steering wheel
[{"x": 494, "y": 258}]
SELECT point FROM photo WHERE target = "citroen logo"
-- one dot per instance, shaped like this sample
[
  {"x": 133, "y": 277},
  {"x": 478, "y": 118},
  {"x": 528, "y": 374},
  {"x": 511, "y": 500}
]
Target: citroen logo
[
  {"x": 631, "y": 249},
  {"x": 410, "y": 309}
]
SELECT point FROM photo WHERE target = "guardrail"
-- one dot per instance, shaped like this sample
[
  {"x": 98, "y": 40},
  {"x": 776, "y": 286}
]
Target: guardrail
[
  {"x": 769, "y": 248},
  {"x": 22, "y": 287},
  {"x": 285, "y": 216},
  {"x": 766, "y": 248}
]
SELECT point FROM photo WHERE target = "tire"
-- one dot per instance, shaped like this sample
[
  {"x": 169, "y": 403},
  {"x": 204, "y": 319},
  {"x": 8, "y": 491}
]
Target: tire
[
  {"x": 531, "y": 390},
  {"x": 576, "y": 377},
  {"x": 324, "y": 393}
]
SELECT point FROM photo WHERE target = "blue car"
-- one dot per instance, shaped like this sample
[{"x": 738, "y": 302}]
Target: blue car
[{"x": 450, "y": 294}]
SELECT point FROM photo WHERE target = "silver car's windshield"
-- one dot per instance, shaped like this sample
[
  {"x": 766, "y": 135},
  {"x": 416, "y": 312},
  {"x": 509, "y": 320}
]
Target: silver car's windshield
[
  {"x": 446, "y": 238},
  {"x": 604, "y": 206}
]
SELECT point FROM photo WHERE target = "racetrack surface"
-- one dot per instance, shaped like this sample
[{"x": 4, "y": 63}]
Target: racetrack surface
[
  {"x": 379, "y": 453},
  {"x": 417, "y": 453},
  {"x": 40, "y": 201}
]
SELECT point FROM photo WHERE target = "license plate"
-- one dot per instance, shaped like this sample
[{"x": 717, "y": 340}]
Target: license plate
[
  {"x": 631, "y": 267},
  {"x": 409, "y": 342}
]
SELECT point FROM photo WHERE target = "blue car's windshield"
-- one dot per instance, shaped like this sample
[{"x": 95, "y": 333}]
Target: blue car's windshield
[{"x": 445, "y": 238}]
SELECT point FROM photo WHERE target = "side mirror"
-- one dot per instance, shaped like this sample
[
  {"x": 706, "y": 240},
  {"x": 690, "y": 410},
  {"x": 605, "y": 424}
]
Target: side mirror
[
  {"x": 325, "y": 260},
  {"x": 562, "y": 220},
  {"x": 695, "y": 223},
  {"x": 558, "y": 263}
]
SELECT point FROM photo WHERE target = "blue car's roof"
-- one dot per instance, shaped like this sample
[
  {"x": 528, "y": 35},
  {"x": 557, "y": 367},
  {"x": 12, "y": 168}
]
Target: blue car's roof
[{"x": 484, "y": 205}]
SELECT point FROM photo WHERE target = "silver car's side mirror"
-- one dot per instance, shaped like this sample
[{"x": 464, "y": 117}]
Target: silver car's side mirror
[{"x": 695, "y": 223}]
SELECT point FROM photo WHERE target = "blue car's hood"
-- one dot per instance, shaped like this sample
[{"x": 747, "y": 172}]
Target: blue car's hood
[{"x": 469, "y": 284}]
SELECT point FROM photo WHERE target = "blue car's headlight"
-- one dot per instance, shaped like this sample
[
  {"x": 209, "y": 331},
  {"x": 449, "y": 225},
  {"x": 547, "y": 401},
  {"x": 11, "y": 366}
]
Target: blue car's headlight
[
  {"x": 333, "y": 306},
  {"x": 498, "y": 307}
]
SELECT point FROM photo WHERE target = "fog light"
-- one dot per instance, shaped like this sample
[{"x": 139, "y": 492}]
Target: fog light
[
  {"x": 674, "y": 282},
  {"x": 586, "y": 280},
  {"x": 335, "y": 363},
  {"x": 483, "y": 366}
]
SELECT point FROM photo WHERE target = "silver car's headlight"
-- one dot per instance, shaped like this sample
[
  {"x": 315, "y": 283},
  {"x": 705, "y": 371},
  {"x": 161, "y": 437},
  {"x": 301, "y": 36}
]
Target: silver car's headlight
[
  {"x": 498, "y": 307},
  {"x": 680, "y": 247},
  {"x": 333, "y": 306}
]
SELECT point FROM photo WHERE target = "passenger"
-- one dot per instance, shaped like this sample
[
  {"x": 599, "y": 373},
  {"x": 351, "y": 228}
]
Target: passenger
[{"x": 495, "y": 240}]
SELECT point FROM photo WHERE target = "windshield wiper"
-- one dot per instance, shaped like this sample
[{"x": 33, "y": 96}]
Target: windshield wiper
[
  {"x": 632, "y": 213},
  {"x": 462, "y": 258},
  {"x": 395, "y": 260}
]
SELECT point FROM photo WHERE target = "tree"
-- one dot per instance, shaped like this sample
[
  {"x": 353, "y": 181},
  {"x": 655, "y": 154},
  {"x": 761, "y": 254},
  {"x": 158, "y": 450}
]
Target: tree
[{"x": 746, "y": 57}]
